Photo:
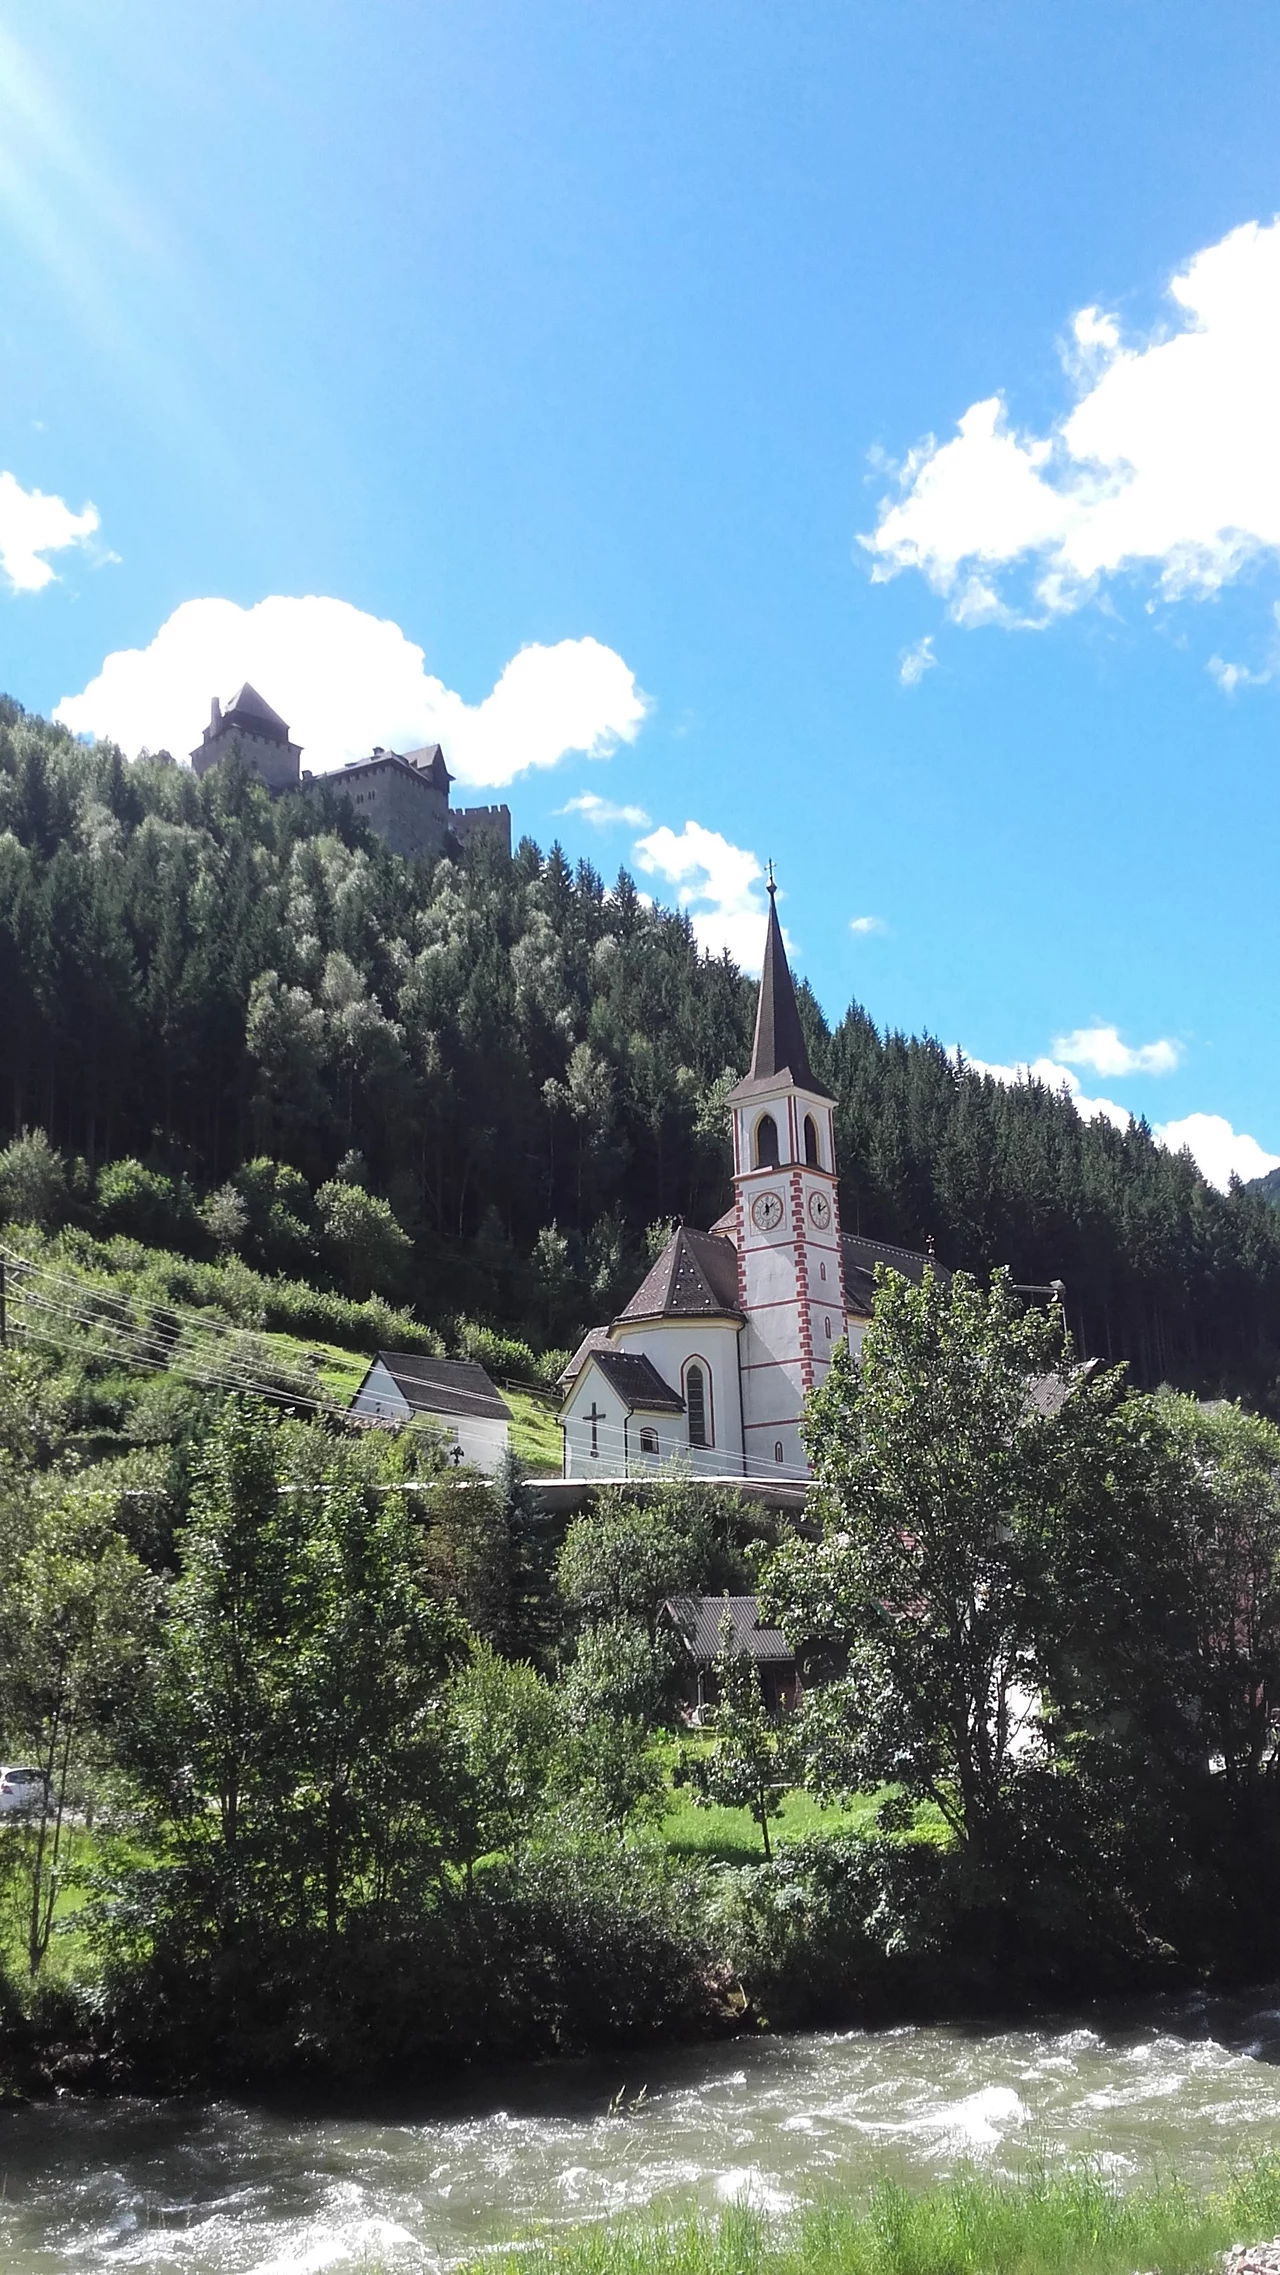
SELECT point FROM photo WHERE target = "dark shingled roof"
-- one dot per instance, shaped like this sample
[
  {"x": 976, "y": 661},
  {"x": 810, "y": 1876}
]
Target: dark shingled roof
[
  {"x": 430, "y": 761},
  {"x": 697, "y": 1621},
  {"x": 1048, "y": 1393},
  {"x": 695, "y": 1277},
  {"x": 445, "y": 1386},
  {"x": 595, "y": 1339},
  {"x": 249, "y": 710},
  {"x": 860, "y": 1260},
  {"x": 779, "y": 1051},
  {"x": 638, "y": 1382}
]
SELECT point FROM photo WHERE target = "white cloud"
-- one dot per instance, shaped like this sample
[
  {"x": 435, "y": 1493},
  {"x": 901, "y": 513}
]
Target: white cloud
[
  {"x": 1231, "y": 676},
  {"x": 862, "y": 925},
  {"x": 1218, "y": 1151},
  {"x": 717, "y": 883},
  {"x": 916, "y": 661},
  {"x": 1170, "y": 457},
  {"x": 33, "y": 524},
  {"x": 603, "y": 813},
  {"x": 345, "y": 680},
  {"x": 1102, "y": 1049}
]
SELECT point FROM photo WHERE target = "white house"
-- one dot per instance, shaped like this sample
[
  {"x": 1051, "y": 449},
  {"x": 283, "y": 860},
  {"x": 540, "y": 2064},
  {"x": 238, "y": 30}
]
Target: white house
[
  {"x": 455, "y": 1395},
  {"x": 714, "y": 1356}
]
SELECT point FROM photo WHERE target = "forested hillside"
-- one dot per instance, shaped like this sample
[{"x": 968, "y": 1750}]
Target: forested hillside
[{"x": 528, "y": 1066}]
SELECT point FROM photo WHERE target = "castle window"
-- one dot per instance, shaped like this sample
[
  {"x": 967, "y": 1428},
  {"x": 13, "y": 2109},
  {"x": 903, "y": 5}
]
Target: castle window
[
  {"x": 766, "y": 1142},
  {"x": 648, "y": 1441},
  {"x": 811, "y": 1142},
  {"x": 695, "y": 1398},
  {"x": 777, "y": 1449}
]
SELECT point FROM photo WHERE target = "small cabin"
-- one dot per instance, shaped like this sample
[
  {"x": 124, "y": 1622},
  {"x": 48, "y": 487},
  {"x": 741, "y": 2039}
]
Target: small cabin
[
  {"x": 455, "y": 1395},
  {"x": 698, "y": 1624}
]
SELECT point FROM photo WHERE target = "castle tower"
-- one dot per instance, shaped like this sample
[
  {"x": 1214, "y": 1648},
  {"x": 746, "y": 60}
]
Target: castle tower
[
  {"x": 790, "y": 1275},
  {"x": 259, "y": 734}
]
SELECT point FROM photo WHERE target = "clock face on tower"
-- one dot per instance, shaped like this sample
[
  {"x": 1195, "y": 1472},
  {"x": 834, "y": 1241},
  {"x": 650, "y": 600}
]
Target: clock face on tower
[
  {"x": 766, "y": 1212},
  {"x": 819, "y": 1210}
]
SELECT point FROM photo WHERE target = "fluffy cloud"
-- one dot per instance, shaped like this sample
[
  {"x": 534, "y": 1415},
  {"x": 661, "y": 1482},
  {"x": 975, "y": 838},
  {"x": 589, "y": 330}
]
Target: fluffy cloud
[
  {"x": 916, "y": 661},
  {"x": 602, "y": 812},
  {"x": 1101, "y": 1049},
  {"x": 345, "y": 681},
  {"x": 1219, "y": 1151},
  {"x": 717, "y": 883},
  {"x": 862, "y": 925},
  {"x": 1170, "y": 457},
  {"x": 31, "y": 525}
]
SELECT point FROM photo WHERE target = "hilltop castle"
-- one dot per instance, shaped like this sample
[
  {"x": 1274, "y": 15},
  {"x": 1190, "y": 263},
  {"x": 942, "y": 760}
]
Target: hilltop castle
[{"x": 403, "y": 796}]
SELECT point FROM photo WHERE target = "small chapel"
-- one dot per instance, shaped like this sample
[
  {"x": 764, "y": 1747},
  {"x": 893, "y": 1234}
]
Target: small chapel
[{"x": 713, "y": 1358}]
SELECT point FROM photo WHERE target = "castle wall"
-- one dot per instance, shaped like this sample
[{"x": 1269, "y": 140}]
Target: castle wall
[{"x": 398, "y": 804}]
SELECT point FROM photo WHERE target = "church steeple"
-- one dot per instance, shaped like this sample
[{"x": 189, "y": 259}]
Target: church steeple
[{"x": 779, "y": 1052}]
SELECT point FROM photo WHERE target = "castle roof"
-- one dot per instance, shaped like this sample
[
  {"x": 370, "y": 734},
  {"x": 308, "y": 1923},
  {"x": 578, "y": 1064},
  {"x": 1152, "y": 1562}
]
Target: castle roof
[
  {"x": 430, "y": 761},
  {"x": 695, "y": 1277},
  {"x": 249, "y": 710},
  {"x": 779, "y": 1052}
]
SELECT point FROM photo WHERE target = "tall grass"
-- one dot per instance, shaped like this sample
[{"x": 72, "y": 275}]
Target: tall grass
[{"x": 1066, "y": 2223}]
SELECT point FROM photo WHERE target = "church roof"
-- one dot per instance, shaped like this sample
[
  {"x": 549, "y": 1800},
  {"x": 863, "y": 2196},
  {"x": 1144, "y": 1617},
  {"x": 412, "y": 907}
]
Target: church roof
[
  {"x": 779, "y": 1052},
  {"x": 637, "y": 1381},
  {"x": 695, "y": 1277},
  {"x": 860, "y": 1260},
  {"x": 595, "y": 1339},
  {"x": 250, "y": 709}
]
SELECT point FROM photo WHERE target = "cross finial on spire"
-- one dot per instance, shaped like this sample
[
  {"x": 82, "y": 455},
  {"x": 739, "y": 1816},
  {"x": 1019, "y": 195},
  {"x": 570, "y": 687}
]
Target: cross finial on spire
[{"x": 772, "y": 887}]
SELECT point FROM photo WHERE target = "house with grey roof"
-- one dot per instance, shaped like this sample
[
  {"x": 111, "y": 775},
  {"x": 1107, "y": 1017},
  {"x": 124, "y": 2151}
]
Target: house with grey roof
[
  {"x": 704, "y": 1628},
  {"x": 454, "y": 1396}
]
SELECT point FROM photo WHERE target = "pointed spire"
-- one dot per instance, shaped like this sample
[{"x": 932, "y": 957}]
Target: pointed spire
[{"x": 779, "y": 1050}]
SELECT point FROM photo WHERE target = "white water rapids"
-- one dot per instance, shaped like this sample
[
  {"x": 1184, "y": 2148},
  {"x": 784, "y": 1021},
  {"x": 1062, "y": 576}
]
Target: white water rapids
[{"x": 213, "y": 2188}]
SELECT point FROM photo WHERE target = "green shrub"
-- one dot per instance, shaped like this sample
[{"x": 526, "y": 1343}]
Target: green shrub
[
  {"x": 33, "y": 1183},
  {"x": 142, "y": 1204}
]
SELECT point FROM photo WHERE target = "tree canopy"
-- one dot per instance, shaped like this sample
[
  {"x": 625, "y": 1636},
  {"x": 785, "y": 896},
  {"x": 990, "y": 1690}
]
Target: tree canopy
[{"x": 480, "y": 1080}]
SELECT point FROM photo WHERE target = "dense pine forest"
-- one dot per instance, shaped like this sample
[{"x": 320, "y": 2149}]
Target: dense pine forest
[{"x": 253, "y": 1000}]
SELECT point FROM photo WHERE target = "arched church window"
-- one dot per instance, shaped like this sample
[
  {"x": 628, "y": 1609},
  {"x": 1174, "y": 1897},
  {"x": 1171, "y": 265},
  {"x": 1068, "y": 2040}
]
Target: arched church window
[
  {"x": 648, "y": 1441},
  {"x": 811, "y": 1142},
  {"x": 777, "y": 1449},
  {"x": 766, "y": 1142},
  {"x": 828, "y": 1327},
  {"x": 823, "y": 1269},
  {"x": 695, "y": 1398}
]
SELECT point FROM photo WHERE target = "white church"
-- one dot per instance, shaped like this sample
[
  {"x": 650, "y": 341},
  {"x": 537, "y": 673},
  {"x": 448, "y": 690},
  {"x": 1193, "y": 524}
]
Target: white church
[{"x": 712, "y": 1359}]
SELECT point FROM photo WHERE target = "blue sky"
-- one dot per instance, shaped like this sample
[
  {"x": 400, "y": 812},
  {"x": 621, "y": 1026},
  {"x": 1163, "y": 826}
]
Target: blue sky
[{"x": 735, "y": 430}]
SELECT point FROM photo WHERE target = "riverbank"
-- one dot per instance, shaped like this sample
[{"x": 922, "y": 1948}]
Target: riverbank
[{"x": 1038, "y": 2223}]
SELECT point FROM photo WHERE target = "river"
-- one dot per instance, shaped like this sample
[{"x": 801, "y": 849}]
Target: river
[{"x": 215, "y": 2188}]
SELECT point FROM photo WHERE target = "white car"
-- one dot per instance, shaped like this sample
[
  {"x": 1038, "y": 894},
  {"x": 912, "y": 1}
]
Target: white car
[{"x": 21, "y": 1789}]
